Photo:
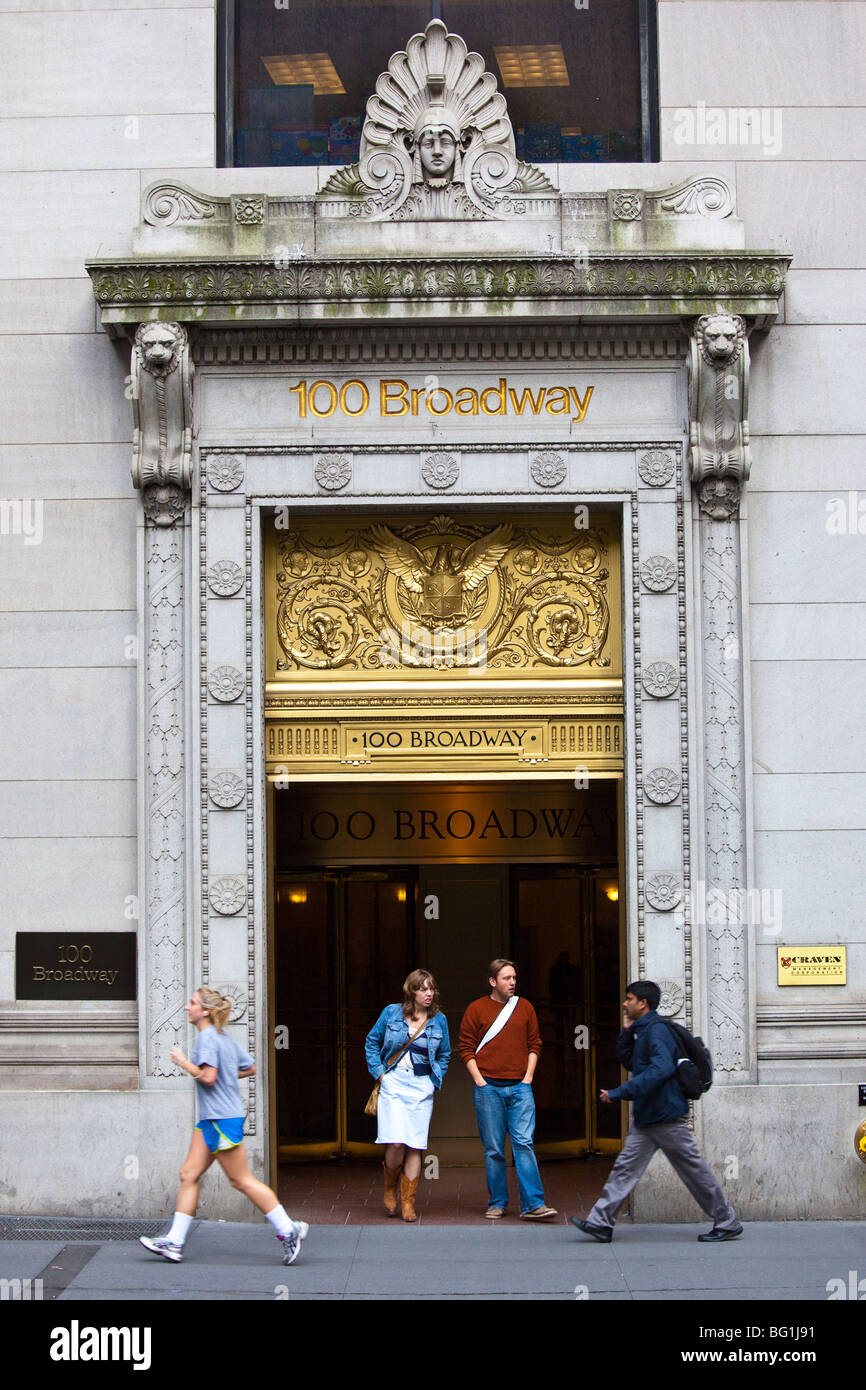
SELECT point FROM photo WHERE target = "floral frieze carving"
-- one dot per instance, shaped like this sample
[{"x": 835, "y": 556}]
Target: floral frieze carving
[
  {"x": 501, "y": 597},
  {"x": 233, "y": 281}
]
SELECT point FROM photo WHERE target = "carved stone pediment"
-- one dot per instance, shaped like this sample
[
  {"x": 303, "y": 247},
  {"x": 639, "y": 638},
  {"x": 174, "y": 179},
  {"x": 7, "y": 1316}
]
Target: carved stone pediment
[{"x": 437, "y": 144}]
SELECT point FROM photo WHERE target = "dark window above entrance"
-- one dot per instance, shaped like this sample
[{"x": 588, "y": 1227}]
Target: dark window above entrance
[{"x": 579, "y": 76}]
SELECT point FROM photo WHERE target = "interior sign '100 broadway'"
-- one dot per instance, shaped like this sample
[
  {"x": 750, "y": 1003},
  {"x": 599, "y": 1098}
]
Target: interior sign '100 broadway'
[{"x": 394, "y": 397}]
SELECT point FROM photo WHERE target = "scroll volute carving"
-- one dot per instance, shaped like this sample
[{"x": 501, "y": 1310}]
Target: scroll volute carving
[
  {"x": 720, "y": 457},
  {"x": 162, "y": 420}
]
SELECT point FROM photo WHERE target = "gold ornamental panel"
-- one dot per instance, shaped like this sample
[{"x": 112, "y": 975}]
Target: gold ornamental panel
[{"x": 468, "y": 597}]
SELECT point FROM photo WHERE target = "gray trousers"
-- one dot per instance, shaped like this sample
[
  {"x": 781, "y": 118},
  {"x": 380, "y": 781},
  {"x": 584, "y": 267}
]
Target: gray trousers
[{"x": 677, "y": 1143}]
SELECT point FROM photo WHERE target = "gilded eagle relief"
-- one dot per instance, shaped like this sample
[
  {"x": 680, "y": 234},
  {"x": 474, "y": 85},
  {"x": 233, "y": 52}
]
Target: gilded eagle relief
[{"x": 444, "y": 594}]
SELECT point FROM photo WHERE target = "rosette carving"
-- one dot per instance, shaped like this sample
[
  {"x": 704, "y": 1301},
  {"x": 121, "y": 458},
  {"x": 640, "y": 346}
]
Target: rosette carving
[
  {"x": 662, "y": 785},
  {"x": 548, "y": 470},
  {"x": 672, "y": 1000},
  {"x": 658, "y": 573},
  {"x": 226, "y": 472},
  {"x": 227, "y": 896},
  {"x": 225, "y": 578},
  {"x": 663, "y": 891},
  {"x": 656, "y": 467},
  {"x": 440, "y": 470},
  {"x": 659, "y": 679},
  {"x": 226, "y": 789},
  {"x": 225, "y": 683},
  {"x": 333, "y": 471}
]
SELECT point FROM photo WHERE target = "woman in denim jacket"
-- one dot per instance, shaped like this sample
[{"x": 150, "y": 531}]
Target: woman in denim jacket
[{"x": 408, "y": 1086}]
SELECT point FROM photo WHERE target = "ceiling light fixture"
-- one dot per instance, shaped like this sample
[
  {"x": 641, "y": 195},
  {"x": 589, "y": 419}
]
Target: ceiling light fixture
[
  {"x": 532, "y": 65},
  {"x": 305, "y": 70}
]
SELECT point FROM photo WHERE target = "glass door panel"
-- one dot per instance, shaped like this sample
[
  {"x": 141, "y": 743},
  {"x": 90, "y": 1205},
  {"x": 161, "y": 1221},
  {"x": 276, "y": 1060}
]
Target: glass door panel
[
  {"x": 566, "y": 942},
  {"x": 607, "y": 994},
  {"x": 549, "y": 951},
  {"x": 305, "y": 1050},
  {"x": 378, "y": 930}
]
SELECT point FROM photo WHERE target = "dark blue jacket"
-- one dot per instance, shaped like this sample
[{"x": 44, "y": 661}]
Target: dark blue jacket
[{"x": 649, "y": 1051}]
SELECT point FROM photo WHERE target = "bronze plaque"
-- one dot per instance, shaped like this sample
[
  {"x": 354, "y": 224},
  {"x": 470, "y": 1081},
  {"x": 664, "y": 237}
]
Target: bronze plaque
[
  {"x": 75, "y": 965},
  {"x": 428, "y": 823}
]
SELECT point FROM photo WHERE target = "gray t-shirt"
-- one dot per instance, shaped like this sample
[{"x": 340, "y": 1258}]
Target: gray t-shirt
[{"x": 222, "y": 1100}]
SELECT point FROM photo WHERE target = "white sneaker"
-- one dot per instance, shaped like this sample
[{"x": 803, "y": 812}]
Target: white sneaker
[
  {"x": 292, "y": 1243},
  {"x": 161, "y": 1245}
]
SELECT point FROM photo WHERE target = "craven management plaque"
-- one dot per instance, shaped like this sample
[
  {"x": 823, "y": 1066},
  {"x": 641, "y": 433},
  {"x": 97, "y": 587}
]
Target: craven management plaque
[
  {"x": 70, "y": 965},
  {"x": 812, "y": 965}
]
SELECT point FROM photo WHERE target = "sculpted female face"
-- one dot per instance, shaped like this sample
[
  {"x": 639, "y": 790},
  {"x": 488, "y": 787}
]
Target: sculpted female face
[{"x": 438, "y": 149}]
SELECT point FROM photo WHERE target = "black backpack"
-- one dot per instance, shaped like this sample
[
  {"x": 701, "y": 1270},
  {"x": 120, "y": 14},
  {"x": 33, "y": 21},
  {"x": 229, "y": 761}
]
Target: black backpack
[{"x": 694, "y": 1072}]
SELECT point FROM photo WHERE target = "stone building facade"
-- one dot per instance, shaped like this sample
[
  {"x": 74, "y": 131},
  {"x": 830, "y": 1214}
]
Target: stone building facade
[{"x": 256, "y": 418}]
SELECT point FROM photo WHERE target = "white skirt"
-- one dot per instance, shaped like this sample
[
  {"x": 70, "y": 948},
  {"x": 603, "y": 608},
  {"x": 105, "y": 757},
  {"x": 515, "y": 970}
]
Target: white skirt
[{"x": 405, "y": 1107}]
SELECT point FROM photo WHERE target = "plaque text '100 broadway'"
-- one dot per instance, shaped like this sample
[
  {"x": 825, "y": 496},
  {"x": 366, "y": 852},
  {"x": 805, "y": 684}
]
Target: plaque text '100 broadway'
[{"x": 397, "y": 398}]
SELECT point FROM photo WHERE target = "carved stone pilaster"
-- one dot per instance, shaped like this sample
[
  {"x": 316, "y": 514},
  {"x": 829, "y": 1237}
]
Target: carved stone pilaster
[
  {"x": 719, "y": 457},
  {"x": 719, "y": 466},
  {"x": 725, "y": 848},
  {"x": 162, "y": 948},
  {"x": 161, "y": 468}
]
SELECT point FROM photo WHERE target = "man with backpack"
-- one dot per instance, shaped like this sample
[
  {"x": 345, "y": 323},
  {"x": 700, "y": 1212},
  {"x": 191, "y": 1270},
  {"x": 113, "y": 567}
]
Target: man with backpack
[{"x": 650, "y": 1050}]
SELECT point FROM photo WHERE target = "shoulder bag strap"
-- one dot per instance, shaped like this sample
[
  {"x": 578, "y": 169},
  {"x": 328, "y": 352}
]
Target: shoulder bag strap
[
  {"x": 498, "y": 1023},
  {"x": 395, "y": 1057}
]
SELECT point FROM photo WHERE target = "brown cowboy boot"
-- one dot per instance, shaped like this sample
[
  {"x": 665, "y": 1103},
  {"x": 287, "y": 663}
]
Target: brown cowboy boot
[
  {"x": 408, "y": 1188},
  {"x": 391, "y": 1189}
]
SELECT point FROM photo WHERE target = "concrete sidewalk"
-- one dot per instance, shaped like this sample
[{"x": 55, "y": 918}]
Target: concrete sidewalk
[{"x": 779, "y": 1262}]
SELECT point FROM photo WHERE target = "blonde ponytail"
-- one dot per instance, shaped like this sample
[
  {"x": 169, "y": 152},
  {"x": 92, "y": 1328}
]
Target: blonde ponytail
[{"x": 216, "y": 1004}]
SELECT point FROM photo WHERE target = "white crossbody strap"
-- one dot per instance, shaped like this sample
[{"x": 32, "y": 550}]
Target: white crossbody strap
[{"x": 498, "y": 1023}]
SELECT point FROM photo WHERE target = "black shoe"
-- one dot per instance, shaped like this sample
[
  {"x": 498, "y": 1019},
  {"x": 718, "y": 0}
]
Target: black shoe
[
  {"x": 715, "y": 1234},
  {"x": 600, "y": 1233}
]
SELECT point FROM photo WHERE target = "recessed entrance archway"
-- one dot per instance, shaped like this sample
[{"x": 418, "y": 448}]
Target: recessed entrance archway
[{"x": 370, "y": 883}]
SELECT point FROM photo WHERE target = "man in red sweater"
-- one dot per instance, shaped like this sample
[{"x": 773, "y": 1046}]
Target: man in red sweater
[{"x": 501, "y": 1044}]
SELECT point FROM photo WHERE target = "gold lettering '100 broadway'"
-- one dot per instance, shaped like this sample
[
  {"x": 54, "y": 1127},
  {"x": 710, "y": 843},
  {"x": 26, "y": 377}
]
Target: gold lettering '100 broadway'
[{"x": 397, "y": 398}]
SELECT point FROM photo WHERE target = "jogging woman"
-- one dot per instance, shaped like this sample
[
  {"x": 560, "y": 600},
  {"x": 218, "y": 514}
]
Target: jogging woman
[{"x": 217, "y": 1063}]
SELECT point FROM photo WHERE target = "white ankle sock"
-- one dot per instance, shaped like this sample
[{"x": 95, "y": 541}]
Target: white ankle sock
[
  {"x": 179, "y": 1228},
  {"x": 281, "y": 1222}
]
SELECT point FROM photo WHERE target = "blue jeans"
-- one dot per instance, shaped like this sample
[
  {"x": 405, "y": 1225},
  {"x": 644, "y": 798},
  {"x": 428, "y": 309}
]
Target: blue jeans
[{"x": 502, "y": 1110}]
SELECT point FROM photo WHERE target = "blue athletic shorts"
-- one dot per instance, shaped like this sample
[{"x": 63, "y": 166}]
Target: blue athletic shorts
[{"x": 220, "y": 1135}]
